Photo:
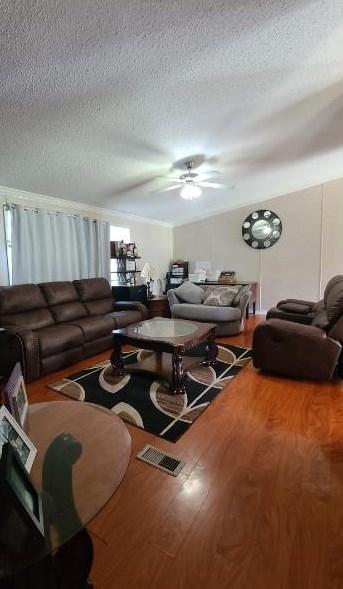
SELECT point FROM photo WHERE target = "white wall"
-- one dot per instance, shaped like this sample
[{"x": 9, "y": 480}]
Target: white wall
[
  {"x": 153, "y": 239},
  {"x": 308, "y": 253}
]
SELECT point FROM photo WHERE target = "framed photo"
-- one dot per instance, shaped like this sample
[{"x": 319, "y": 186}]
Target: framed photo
[
  {"x": 17, "y": 489},
  {"x": 15, "y": 395},
  {"x": 10, "y": 431}
]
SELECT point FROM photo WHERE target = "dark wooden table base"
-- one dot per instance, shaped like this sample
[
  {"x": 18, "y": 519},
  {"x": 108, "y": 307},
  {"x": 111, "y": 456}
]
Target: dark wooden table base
[{"x": 171, "y": 367}]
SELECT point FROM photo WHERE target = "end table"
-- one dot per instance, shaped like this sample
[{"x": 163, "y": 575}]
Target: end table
[{"x": 158, "y": 306}]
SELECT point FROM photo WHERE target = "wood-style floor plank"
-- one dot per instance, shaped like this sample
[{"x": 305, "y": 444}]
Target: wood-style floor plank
[{"x": 258, "y": 506}]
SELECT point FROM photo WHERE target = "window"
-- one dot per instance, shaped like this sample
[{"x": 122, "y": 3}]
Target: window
[
  {"x": 118, "y": 234},
  {"x": 8, "y": 233}
]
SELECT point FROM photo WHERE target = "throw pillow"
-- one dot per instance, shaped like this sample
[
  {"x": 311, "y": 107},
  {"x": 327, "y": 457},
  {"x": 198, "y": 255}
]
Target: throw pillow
[
  {"x": 245, "y": 289},
  {"x": 190, "y": 293},
  {"x": 221, "y": 296}
]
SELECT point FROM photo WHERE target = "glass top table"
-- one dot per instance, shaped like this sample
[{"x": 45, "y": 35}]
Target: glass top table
[
  {"x": 168, "y": 340},
  {"x": 83, "y": 451},
  {"x": 170, "y": 328}
]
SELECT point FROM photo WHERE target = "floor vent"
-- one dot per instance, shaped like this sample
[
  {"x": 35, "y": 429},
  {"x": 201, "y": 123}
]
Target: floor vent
[{"x": 161, "y": 460}]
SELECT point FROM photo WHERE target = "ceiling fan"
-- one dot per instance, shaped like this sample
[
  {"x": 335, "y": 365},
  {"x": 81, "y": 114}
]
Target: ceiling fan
[{"x": 191, "y": 183}]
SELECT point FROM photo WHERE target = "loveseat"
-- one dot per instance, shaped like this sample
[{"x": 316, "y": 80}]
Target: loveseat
[
  {"x": 54, "y": 324},
  {"x": 223, "y": 305}
]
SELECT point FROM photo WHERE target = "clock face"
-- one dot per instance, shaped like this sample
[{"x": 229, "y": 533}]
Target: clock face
[{"x": 261, "y": 229}]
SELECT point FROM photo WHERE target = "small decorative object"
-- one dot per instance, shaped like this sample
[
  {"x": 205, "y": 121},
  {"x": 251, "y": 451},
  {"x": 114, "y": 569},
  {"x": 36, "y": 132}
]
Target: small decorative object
[
  {"x": 17, "y": 489},
  {"x": 227, "y": 277},
  {"x": 149, "y": 273},
  {"x": 130, "y": 249},
  {"x": 122, "y": 249},
  {"x": 11, "y": 432},
  {"x": 261, "y": 229},
  {"x": 15, "y": 396}
]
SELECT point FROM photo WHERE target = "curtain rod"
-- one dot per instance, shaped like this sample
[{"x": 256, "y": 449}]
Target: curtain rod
[{"x": 10, "y": 206}]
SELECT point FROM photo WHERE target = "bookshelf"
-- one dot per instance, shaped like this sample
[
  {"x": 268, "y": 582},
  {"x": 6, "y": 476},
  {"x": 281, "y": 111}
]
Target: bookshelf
[{"x": 124, "y": 258}]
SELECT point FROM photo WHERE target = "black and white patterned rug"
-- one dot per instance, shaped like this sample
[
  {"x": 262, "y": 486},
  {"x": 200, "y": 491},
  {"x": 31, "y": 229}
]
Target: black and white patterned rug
[{"x": 144, "y": 401}]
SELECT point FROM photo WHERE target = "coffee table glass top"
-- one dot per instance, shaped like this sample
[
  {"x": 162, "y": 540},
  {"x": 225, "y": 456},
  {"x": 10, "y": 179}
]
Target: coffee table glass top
[{"x": 168, "y": 328}]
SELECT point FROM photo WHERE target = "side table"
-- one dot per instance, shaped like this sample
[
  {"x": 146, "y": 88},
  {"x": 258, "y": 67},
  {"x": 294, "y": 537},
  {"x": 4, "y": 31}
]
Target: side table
[{"x": 158, "y": 306}]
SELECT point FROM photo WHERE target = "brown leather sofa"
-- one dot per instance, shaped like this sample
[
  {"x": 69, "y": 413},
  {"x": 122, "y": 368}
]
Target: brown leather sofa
[
  {"x": 54, "y": 324},
  {"x": 305, "y": 344}
]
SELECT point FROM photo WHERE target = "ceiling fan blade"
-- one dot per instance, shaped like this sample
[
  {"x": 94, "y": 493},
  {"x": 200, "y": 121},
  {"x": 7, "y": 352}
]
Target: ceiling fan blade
[
  {"x": 171, "y": 179},
  {"x": 207, "y": 175},
  {"x": 135, "y": 185},
  {"x": 171, "y": 188},
  {"x": 210, "y": 185}
]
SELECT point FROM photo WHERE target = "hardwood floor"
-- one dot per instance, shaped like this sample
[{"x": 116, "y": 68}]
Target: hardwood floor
[{"x": 259, "y": 505}]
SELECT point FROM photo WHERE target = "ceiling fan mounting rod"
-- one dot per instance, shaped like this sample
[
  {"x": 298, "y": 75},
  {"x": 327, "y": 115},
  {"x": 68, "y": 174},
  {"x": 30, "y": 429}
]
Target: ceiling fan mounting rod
[{"x": 189, "y": 164}]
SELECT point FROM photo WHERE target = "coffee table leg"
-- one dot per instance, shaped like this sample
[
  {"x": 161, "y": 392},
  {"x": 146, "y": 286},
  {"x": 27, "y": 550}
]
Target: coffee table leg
[
  {"x": 211, "y": 351},
  {"x": 117, "y": 361},
  {"x": 177, "y": 375}
]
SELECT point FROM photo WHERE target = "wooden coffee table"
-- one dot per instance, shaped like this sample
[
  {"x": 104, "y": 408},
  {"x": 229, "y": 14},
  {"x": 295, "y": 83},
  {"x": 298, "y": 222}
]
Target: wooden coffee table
[{"x": 169, "y": 339}]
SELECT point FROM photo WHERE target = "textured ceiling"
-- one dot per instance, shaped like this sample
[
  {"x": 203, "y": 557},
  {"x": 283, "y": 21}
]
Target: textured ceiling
[{"x": 99, "y": 98}]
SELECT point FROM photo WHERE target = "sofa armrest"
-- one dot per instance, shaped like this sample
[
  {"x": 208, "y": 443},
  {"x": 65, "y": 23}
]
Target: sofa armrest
[
  {"x": 19, "y": 344},
  {"x": 298, "y": 301},
  {"x": 131, "y": 306},
  {"x": 243, "y": 303},
  {"x": 172, "y": 297},
  {"x": 295, "y": 350}
]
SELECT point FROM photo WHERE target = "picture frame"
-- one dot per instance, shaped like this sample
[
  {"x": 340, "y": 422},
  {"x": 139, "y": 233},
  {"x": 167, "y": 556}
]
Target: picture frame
[
  {"x": 10, "y": 431},
  {"x": 17, "y": 489},
  {"x": 15, "y": 396}
]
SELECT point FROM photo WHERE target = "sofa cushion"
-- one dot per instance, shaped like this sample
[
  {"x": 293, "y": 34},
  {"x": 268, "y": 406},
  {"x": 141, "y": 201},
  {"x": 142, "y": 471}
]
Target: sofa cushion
[
  {"x": 56, "y": 293},
  {"x": 36, "y": 319},
  {"x": 99, "y": 307},
  {"x": 92, "y": 289},
  {"x": 295, "y": 308},
  {"x": 20, "y": 298},
  {"x": 68, "y": 311},
  {"x": 221, "y": 296},
  {"x": 58, "y": 338},
  {"x": 190, "y": 293},
  {"x": 206, "y": 313},
  {"x": 95, "y": 327}
]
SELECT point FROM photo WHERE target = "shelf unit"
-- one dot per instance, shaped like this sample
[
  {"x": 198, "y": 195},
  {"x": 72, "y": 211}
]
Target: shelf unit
[
  {"x": 121, "y": 274},
  {"x": 177, "y": 275}
]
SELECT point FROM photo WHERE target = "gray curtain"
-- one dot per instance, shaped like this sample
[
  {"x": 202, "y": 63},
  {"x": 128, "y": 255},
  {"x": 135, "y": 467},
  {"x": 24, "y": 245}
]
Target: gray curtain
[{"x": 56, "y": 246}]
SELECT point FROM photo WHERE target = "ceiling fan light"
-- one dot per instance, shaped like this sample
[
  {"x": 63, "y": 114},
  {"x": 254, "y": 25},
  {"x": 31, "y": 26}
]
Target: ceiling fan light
[{"x": 190, "y": 191}]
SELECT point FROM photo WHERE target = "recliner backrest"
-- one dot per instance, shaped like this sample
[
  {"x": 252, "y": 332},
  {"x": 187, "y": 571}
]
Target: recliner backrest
[
  {"x": 63, "y": 300},
  {"x": 333, "y": 299},
  {"x": 24, "y": 305},
  {"x": 95, "y": 294}
]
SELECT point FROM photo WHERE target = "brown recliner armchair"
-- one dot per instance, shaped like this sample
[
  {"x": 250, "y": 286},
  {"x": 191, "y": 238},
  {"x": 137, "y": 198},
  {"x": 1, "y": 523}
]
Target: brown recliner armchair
[
  {"x": 303, "y": 345},
  {"x": 307, "y": 312}
]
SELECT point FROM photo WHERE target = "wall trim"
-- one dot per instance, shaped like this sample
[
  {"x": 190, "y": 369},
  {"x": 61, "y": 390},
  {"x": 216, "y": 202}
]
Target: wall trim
[
  {"x": 7, "y": 194},
  {"x": 321, "y": 244}
]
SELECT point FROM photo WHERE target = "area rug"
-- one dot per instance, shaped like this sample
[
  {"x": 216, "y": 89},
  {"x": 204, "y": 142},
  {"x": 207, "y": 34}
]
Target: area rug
[{"x": 144, "y": 401}]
